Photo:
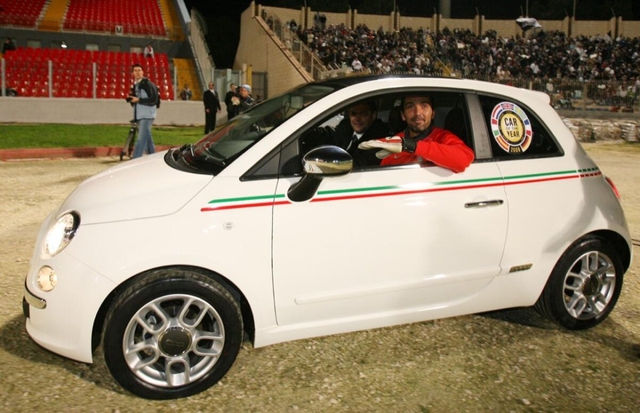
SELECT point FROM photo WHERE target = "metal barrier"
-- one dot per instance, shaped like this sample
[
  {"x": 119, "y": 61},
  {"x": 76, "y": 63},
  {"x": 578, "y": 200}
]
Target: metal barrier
[
  {"x": 612, "y": 95},
  {"x": 303, "y": 54}
]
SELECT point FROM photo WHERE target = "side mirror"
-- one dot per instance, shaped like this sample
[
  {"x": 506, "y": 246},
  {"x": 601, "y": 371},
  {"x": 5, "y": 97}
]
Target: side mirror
[
  {"x": 327, "y": 160},
  {"x": 318, "y": 163}
]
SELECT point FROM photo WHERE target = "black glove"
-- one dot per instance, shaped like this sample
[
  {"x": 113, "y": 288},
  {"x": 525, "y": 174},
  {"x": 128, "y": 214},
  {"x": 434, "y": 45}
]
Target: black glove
[{"x": 409, "y": 145}]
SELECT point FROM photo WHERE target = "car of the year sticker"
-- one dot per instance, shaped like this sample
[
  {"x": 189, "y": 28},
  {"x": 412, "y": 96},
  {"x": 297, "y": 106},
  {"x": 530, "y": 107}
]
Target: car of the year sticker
[{"x": 511, "y": 127}]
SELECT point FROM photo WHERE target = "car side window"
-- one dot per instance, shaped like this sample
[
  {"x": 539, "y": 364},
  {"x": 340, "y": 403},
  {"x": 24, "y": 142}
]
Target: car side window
[
  {"x": 515, "y": 131},
  {"x": 346, "y": 127},
  {"x": 451, "y": 113}
]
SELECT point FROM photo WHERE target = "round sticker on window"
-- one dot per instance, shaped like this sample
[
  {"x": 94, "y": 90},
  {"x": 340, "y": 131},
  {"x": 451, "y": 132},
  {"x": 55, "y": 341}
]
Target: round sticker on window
[{"x": 511, "y": 127}]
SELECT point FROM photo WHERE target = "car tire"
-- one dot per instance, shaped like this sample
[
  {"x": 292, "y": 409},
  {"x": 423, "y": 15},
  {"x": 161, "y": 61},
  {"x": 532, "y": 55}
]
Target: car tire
[
  {"x": 584, "y": 286},
  {"x": 172, "y": 333}
]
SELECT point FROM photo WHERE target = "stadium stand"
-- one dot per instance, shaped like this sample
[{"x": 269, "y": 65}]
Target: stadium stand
[
  {"x": 142, "y": 17},
  {"x": 172, "y": 20},
  {"x": 72, "y": 72},
  {"x": 24, "y": 13},
  {"x": 54, "y": 15},
  {"x": 187, "y": 75}
]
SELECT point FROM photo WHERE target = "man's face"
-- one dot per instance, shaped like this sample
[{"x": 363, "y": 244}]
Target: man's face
[
  {"x": 138, "y": 73},
  {"x": 361, "y": 117},
  {"x": 418, "y": 113},
  {"x": 210, "y": 85},
  {"x": 244, "y": 92}
]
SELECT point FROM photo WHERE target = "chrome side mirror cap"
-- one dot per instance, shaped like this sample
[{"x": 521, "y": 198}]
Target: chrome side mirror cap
[{"x": 318, "y": 163}]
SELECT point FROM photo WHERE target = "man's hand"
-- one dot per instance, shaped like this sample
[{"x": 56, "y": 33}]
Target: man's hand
[{"x": 391, "y": 144}]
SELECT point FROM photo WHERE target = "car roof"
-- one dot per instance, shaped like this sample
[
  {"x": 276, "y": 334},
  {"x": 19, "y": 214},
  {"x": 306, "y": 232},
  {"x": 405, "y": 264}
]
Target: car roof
[
  {"x": 343, "y": 82},
  {"x": 355, "y": 79}
]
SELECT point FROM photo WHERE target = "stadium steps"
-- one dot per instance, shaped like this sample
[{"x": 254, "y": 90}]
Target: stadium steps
[
  {"x": 53, "y": 16},
  {"x": 186, "y": 72},
  {"x": 171, "y": 20}
]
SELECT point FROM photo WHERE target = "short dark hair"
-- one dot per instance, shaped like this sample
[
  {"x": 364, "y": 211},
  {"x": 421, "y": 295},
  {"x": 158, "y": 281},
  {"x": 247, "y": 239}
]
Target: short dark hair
[
  {"x": 137, "y": 65},
  {"x": 426, "y": 95},
  {"x": 373, "y": 105}
]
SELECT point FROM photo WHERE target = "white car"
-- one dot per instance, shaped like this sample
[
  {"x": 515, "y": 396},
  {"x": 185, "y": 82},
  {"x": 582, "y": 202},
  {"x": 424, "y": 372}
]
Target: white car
[{"x": 265, "y": 231}]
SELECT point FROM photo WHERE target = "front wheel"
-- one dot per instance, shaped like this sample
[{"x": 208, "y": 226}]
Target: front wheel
[
  {"x": 172, "y": 333},
  {"x": 584, "y": 285}
]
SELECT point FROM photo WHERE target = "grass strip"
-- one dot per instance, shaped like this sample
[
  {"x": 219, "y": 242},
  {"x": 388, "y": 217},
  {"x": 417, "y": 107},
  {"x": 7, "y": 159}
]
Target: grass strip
[{"x": 21, "y": 136}]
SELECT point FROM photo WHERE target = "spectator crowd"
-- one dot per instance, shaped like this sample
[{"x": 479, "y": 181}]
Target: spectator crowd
[{"x": 538, "y": 55}]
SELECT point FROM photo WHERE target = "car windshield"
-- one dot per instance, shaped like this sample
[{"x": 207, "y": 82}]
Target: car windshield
[{"x": 221, "y": 147}]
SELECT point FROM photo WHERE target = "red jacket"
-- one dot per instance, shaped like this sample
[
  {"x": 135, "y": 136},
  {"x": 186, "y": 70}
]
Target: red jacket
[{"x": 441, "y": 147}]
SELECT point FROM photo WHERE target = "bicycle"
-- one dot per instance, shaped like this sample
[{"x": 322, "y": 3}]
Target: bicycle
[{"x": 130, "y": 141}]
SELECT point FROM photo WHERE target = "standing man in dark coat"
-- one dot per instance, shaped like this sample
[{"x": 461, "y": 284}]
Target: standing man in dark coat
[
  {"x": 229, "y": 102},
  {"x": 211, "y": 108}
]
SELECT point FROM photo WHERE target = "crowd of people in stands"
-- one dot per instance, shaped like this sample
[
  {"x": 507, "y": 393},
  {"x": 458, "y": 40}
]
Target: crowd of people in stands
[{"x": 542, "y": 55}]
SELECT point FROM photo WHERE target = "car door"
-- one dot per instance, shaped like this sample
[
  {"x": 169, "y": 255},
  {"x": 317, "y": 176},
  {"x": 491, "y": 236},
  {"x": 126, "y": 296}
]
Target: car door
[{"x": 387, "y": 245}]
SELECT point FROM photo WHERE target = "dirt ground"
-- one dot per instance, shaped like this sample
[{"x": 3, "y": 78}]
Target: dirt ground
[{"x": 508, "y": 361}]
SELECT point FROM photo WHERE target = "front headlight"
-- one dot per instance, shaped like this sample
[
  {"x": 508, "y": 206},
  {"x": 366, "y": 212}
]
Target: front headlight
[{"x": 61, "y": 233}]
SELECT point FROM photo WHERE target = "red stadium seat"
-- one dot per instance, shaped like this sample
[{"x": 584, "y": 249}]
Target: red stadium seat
[
  {"x": 141, "y": 17},
  {"x": 22, "y": 12},
  {"x": 27, "y": 70}
]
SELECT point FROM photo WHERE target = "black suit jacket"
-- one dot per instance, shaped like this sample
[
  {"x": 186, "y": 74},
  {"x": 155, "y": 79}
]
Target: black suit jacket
[
  {"x": 227, "y": 100},
  {"x": 361, "y": 157},
  {"x": 211, "y": 101}
]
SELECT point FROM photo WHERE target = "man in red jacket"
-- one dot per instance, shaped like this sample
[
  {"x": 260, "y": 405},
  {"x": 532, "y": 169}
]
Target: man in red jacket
[{"x": 422, "y": 142}]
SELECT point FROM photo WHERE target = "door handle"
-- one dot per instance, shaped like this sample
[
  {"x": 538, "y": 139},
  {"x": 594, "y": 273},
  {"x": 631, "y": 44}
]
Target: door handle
[{"x": 484, "y": 204}]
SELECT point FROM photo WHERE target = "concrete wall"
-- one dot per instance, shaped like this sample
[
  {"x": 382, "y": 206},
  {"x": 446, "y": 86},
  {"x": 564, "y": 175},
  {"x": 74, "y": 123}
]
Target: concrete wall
[
  {"x": 551, "y": 25},
  {"x": 417, "y": 23},
  {"x": 286, "y": 15},
  {"x": 335, "y": 19},
  {"x": 264, "y": 53},
  {"x": 374, "y": 21},
  {"x": 478, "y": 24},
  {"x": 463, "y": 24},
  {"x": 97, "y": 111},
  {"x": 505, "y": 28},
  {"x": 594, "y": 27},
  {"x": 79, "y": 40},
  {"x": 629, "y": 28}
]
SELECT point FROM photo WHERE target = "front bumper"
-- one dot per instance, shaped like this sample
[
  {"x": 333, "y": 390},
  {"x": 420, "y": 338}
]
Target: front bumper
[
  {"x": 62, "y": 320},
  {"x": 32, "y": 300}
]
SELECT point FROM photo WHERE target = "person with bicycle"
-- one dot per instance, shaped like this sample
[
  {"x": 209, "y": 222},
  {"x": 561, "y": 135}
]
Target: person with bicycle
[{"x": 144, "y": 99}]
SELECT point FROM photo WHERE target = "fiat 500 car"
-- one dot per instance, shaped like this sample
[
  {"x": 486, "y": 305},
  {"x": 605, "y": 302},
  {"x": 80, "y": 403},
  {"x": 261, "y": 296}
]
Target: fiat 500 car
[{"x": 265, "y": 230}]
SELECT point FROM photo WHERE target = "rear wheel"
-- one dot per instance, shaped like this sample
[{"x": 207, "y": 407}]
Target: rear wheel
[
  {"x": 584, "y": 286},
  {"x": 172, "y": 333}
]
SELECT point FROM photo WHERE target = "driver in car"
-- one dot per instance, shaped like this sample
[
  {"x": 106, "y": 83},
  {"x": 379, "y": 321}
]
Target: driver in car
[{"x": 421, "y": 142}]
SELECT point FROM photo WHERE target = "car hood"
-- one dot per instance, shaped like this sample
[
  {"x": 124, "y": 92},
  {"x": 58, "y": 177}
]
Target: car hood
[{"x": 142, "y": 188}]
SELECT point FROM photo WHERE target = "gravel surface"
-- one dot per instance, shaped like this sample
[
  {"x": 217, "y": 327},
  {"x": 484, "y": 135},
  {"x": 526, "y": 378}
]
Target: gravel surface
[{"x": 507, "y": 361}]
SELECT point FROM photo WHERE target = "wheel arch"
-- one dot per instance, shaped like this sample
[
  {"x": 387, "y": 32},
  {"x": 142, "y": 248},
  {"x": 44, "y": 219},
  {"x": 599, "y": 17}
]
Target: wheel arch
[
  {"x": 245, "y": 307},
  {"x": 552, "y": 302},
  {"x": 618, "y": 242}
]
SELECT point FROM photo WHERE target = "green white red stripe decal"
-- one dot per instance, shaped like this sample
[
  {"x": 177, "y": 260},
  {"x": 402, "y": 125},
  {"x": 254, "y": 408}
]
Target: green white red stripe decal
[{"x": 395, "y": 190}]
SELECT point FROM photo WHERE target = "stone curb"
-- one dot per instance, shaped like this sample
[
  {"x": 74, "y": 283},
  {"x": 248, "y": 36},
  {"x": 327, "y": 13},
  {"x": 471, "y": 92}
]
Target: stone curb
[{"x": 64, "y": 153}]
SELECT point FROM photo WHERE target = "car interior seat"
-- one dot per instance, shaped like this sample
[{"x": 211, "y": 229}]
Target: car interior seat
[
  {"x": 455, "y": 123},
  {"x": 396, "y": 124}
]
